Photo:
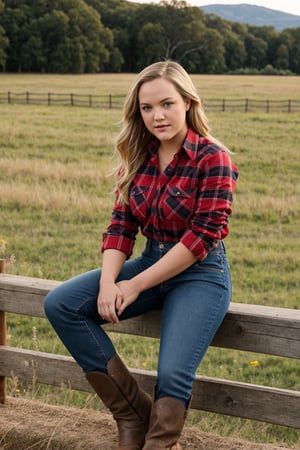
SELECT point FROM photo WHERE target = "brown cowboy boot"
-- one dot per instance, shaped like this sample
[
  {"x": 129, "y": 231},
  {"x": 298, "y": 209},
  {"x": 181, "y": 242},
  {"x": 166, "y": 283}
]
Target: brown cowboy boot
[
  {"x": 129, "y": 405},
  {"x": 166, "y": 422}
]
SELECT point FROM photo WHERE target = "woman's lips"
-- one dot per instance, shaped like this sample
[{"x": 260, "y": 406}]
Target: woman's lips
[{"x": 161, "y": 127}]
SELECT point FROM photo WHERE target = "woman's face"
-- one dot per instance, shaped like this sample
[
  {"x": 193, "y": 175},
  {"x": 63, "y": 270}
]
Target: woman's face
[{"x": 163, "y": 110}]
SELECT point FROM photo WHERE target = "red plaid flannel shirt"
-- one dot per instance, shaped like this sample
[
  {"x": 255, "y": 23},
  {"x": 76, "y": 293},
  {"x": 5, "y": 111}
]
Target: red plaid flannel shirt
[{"x": 190, "y": 202}]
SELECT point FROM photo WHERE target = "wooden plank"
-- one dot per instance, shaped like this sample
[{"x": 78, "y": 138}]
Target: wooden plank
[
  {"x": 3, "y": 328},
  {"x": 277, "y": 406},
  {"x": 254, "y": 313},
  {"x": 269, "y": 337},
  {"x": 27, "y": 284},
  {"x": 24, "y": 295},
  {"x": 262, "y": 403},
  {"x": 255, "y": 328}
]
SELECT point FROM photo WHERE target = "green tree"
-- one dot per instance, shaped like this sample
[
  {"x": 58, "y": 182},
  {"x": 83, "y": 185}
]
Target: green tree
[
  {"x": 118, "y": 16},
  {"x": 12, "y": 20},
  {"x": 113, "y": 35},
  {"x": 235, "y": 52},
  {"x": 256, "y": 52},
  {"x": 282, "y": 58},
  {"x": 210, "y": 56},
  {"x": 53, "y": 28},
  {"x": 293, "y": 37},
  {"x": 150, "y": 38},
  {"x": 32, "y": 54},
  {"x": 174, "y": 30},
  {"x": 4, "y": 41},
  {"x": 84, "y": 24},
  {"x": 55, "y": 35}
]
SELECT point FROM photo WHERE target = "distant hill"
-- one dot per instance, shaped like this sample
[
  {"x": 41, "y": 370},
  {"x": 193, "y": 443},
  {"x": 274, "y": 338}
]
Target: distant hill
[{"x": 254, "y": 15}]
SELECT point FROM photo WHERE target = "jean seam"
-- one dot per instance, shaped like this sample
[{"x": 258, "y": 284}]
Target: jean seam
[{"x": 209, "y": 336}]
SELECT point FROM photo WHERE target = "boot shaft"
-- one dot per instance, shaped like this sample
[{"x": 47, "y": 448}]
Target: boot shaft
[
  {"x": 130, "y": 406},
  {"x": 168, "y": 415}
]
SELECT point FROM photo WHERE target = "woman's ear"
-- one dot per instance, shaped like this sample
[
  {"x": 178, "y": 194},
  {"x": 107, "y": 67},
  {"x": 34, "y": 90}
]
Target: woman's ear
[{"x": 187, "y": 105}]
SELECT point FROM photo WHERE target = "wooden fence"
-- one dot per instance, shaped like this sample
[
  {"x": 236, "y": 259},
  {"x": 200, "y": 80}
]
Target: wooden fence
[
  {"x": 116, "y": 102},
  {"x": 254, "y": 328}
]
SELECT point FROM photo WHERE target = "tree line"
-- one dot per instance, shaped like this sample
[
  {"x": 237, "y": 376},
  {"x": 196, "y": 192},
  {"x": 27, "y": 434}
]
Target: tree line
[{"x": 90, "y": 36}]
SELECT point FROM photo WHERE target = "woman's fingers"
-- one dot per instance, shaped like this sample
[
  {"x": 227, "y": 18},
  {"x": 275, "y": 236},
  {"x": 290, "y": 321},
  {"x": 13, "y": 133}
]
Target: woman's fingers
[{"x": 107, "y": 304}]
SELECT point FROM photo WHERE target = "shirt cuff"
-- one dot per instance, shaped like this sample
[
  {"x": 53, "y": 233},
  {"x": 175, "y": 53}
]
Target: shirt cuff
[
  {"x": 195, "y": 244},
  {"x": 116, "y": 242}
]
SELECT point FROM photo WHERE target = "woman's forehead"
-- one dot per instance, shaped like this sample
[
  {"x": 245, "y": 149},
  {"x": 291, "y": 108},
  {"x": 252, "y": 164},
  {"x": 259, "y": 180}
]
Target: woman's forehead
[{"x": 157, "y": 89}]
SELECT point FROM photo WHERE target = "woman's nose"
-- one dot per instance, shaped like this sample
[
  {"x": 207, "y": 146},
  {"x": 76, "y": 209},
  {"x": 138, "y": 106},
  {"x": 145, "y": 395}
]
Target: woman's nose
[{"x": 158, "y": 114}]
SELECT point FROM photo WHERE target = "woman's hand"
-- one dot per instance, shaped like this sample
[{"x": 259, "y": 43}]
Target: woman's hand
[
  {"x": 109, "y": 300},
  {"x": 130, "y": 293}
]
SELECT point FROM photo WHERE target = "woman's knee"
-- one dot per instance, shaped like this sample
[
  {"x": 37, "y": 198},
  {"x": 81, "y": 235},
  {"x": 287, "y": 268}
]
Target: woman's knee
[{"x": 51, "y": 305}]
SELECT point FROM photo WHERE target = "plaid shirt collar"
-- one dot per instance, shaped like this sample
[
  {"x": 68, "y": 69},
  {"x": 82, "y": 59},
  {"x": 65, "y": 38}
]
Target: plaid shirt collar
[{"x": 190, "y": 144}]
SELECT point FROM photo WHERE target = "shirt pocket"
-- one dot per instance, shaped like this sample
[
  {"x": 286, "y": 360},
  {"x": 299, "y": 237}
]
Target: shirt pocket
[
  {"x": 139, "y": 203},
  {"x": 178, "y": 204}
]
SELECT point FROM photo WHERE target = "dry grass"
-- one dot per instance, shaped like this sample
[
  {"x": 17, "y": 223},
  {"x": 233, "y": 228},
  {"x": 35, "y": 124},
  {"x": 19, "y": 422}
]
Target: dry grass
[
  {"x": 48, "y": 197},
  {"x": 56, "y": 171},
  {"x": 209, "y": 86},
  {"x": 59, "y": 428}
]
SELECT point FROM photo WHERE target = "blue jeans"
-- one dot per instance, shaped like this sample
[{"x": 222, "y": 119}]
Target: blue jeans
[{"x": 193, "y": 306}]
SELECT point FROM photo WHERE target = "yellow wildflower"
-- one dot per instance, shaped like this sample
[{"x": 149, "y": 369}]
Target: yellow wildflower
[{"x": 254, "y": 363}]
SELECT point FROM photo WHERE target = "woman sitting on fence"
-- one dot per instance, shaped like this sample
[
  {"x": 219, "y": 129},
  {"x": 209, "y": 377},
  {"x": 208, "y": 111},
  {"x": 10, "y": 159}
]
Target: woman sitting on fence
[{"x": 175, "y": 183}]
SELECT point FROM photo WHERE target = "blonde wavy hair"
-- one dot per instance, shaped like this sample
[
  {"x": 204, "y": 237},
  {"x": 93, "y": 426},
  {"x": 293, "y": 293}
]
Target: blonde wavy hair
[{"x": 134, "y": 136}]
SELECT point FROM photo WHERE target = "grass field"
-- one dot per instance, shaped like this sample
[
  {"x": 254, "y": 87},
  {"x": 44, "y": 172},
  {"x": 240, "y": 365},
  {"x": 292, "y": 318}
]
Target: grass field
[
  {"x": 56, "y": 199},
  {"x": 209, "y": 86}
]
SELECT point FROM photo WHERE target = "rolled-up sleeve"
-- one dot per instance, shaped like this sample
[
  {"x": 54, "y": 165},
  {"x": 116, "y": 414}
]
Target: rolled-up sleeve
[
  {"x": 122, "y": 230},
  {"x": 209, "y": 223}
]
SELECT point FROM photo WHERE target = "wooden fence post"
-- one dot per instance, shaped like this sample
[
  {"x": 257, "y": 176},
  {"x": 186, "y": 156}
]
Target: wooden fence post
[{"x": 2, "y": 341}]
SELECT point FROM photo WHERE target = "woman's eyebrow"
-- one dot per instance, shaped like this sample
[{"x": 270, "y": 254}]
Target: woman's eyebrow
[{"x": 161, "y": 101}]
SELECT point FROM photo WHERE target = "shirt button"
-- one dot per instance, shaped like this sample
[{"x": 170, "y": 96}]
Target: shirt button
[{"x": 161, "y": 246}]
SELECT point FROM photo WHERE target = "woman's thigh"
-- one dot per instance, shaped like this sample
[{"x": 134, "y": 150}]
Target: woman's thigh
[
  {"x": 79, "y": 294},
  {"x": 194, "y": 306},
  {"x": 72, "y": 310}
]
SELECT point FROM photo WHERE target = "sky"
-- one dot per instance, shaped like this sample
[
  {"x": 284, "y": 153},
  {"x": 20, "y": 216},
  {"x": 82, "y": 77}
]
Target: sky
[{"x": 289, "y": 6}]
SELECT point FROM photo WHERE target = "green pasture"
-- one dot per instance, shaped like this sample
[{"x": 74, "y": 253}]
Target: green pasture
[{"x": 56, "y": 200}]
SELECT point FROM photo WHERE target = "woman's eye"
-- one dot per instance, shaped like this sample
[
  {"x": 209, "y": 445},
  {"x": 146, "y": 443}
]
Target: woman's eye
[
  {"x": 167, "y": 104},
  {"x": 146, "y": 108}
]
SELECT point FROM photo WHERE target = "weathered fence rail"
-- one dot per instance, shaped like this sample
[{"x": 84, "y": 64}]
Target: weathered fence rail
[
  {"x": 255, "y": 328},
  {"x": 116, "y": 102}
]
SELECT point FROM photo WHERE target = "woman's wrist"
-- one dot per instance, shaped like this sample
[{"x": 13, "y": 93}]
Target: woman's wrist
[
  {"x": 139, "y": 282},
  {"x": 106, "y": 280}
]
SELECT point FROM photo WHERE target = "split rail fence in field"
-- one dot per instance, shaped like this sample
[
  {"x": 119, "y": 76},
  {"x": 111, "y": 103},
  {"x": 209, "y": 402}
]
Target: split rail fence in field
[
  {"x": 255, "y": 328},
  {"x": 116, "y": 102}
]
